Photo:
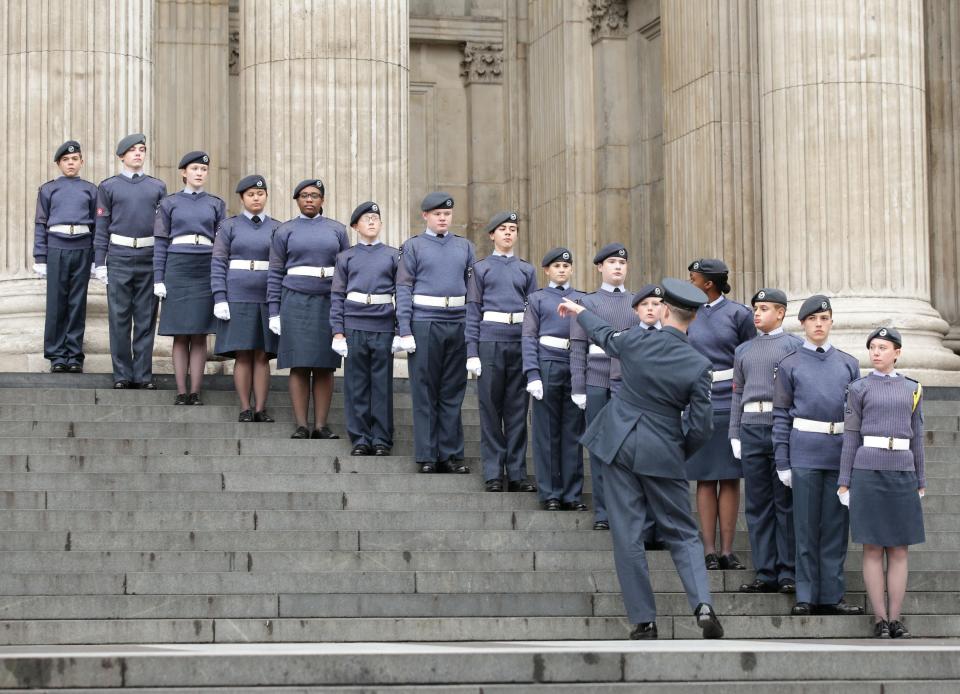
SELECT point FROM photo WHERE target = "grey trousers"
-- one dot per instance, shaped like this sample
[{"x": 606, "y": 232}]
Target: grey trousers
[
  {"x": 132, "y": 317},
  {"x": 68, "y": 274},
  {"x": 596, "y": 400},
  {"x": 557, "y": 427},
  {"x": 438, "y": 382},
  {"x": 368, "y": 388},
  {"x": 821, "y": 524},
  {"x": 503, "y": 400}
]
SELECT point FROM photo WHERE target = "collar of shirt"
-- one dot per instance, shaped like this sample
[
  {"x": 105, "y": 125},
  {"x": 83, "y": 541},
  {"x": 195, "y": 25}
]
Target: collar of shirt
[
  {"x": 430, "y": 232},
  {"x": 190, "y": 191},
  {"x": 775, "y": 331},
  {"x": 503, "y": 255},
  {"x": 609, "y": 287},
  {"x": 124, "y": 171},
  {"x": 554, "y": 285},
  {"x": 364, "y": 243},
  {"x": 813, "y": 348},
  {"x": 303, "y": 216},
  {"x": 250, "y": 215},
  {"x": 655, "y": 325},
  {"x": 716, "y": 302},
  {"x": 892, "y": 374}
]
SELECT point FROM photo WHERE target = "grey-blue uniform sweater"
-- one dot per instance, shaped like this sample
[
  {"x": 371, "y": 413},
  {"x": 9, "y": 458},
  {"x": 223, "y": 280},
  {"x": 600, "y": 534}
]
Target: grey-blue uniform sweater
[
  {"x": 497, "y": 283},
  {"x": 64, "y": 200},
  {"x": 715, "y": 333},
  {"x": 299, "y": 242},
  {"x": 367, "y": 269},
  {"x": 594, "y": 370},
  {"x": 183, "y": 214},
  {"x": 127, "y": 207},
  {"x": 240, "y": 239},
  {"x": 541, "y": 319},
  {"x": 754, "y": 366},
  {"x": 432, "y": 266}
]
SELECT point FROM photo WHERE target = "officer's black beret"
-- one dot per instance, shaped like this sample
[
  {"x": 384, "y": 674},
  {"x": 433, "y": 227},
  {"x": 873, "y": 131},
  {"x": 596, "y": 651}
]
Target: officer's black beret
[
  {"x": 682, "y": 294},
  {"x": 438, "y": 200},
  {"x": 68, "y": 147},
  {"x": 815, "y": 304},
  {"x": 554, "y": 254},
  {"x": 770, "y": 295},
  {"x": 315, "y": 182},
  {"x": 611, "y": 249},
  {"x": 251, "y": 181},
  {"x": 501, "y": 218},
  {"x": 196, "y": 157},
  {"x": 889, "y": 334},
  {"x": 129, "y": 141},
  {"x": 709, "y": 266},
  {"x": 362, "y": 209},
  {"x": 646, "y": 291}
]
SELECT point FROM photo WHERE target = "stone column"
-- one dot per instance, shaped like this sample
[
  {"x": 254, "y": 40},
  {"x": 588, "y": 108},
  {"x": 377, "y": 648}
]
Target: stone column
[
  {"x": 81, "y": 70},
  {"x": 324, "y": 93},
  {"x": 844, "y": 170}
]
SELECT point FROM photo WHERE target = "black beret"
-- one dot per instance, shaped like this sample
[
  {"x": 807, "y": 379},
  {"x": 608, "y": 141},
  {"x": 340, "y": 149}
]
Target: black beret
[
  {"x": 195, "y": 157},
  {"x": 554, "y": 254},
  {"x": 129, "y": 141},
  {"x": 251, "y": 181},
  {"x": 611, "y": 249},
  {"x": 815, "y": 304},
  {"x": 646, "y": 291},
  {"x": 68, "y": 147},
  {"x": 362, "y": 209},
  {"x": 315, "y": 182},
  {"x": 437, "y": 200},
  {"x": 501, "y": 218},
  {"x": 682, "y": 294},
  {"x": 709, "y": 266},
  {"x": 770, "y": 295},
  {"x": 890, "y": 334}
]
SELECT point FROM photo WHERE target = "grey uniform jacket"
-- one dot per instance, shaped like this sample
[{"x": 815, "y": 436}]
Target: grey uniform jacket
[{"x": 663, "y": 376}]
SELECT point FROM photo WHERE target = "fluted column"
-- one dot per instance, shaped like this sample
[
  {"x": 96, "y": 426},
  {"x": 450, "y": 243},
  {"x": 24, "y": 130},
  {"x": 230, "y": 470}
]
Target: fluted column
[
  {"x": 81, "y": 70},
  {"x": 324, "y": 93},
  {"x": 844, "y": 175}
]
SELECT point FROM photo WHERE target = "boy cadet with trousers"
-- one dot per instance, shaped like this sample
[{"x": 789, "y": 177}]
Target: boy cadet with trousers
[
  {"x": 768, "y": 505},
  {"x": 431, "y": 309},
  {"x": 496, "y": 301},
  {"x": 63, "y": 238},
  {"x": 123, "y": 245},
  {"x": 363, "y": 322},
  {"x": 808, "y": 396}
]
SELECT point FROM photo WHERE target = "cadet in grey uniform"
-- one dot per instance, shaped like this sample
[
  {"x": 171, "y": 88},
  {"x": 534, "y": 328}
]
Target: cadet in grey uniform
[{"x": 644, "y": 442}]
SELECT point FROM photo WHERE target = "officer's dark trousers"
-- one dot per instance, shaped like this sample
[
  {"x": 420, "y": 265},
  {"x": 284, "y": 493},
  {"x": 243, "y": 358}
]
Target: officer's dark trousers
[
  {"x": 132, "y": 307},
  {"x": 368, "y": 388},
  {"x": 768, "y": 506},
  {"x": 438, "y": 381},
  {"x": 557, "y": 427},
  {"x": 596, "y": 398},
  {"x": 822, "y": 525},
  {"x": 502, "y": 397},
  {"x": 631, "y": 498},
  {"x": 68, "y": 274}
]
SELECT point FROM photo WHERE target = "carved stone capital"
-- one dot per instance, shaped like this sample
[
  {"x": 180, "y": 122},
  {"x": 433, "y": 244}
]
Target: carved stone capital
[
  {"x": 482, "y": 63},
  {"x": 608, "y": 19}
]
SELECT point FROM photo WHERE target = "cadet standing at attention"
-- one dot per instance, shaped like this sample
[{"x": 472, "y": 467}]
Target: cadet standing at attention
[
  {"x": 720, "y": 326},
  {"x": 302, "y": 261},
  {"x": 808, "y": 397},
  {"x": 238, "y": 279},
  {"x": 63, "y": 237},
  {"x": 768, "y": 506},
  {"x": 644, "y": 440},
  {"x": 496, "y": 301},
  {"x": 126, "y": 211},
  {"x": 184, "y": 232},
  {"x": 363, "y": 322},
  {"x": 590, "y": 366},
  {"x": 431, "y": 298},
  {"x": 557, "y": 421}
]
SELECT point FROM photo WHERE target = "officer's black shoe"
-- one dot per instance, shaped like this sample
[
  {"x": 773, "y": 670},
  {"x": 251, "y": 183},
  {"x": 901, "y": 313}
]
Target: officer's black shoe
[
  {"x": 262, "y": 416},
  {"x": 787, "y": 586},
  {"x": 843, "y": 609},
  {"x": 453, "y": 466},
  {"x": 150, "y": 385},
  {"x": 712, "y": 561},
  {"x": 645, "y": 631},
  {"x": 194, "y": 399},
  {"x": 898, "y": 630},
  {"x": 122, "y": 385},
  {"x": 802, "y": 609},
  {"x": 428, "y": 468},
  {"x": 551, "y": 505},
  {"x": 245, "y": 416},
  {"x": 75, "y": 368},
  {"x": 601, "y": 525},
  {"x": 759, "y": 586},
  {"x": 575, "y": 506},
  {"x": 301, "y": 433},
  {"x": 654, "y": 545},
  {"x": 381, "y": 449},
  {"x": 708, "y": 622},
  {"x": 324, "y": 433},
  {"x": 521, "y": 486},
  {"x": 730, "y": 562},
  {"x": 881, "y": 629},
  {"x": 361, "y": 449},
  {"x": 181, "y": 399},
  {"x": 493, "y": 486},
  {"x": 58, "y": 368}
]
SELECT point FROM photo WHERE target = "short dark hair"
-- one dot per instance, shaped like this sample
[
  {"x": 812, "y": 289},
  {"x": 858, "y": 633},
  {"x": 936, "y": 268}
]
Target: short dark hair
[{"x": 684, "y": 315}]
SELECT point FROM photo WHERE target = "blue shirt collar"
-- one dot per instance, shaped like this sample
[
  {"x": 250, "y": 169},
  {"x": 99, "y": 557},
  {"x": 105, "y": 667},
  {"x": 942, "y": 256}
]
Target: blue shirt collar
[
  {"x": 826, "y": 347},
  {"x": 609, "y": 287}
]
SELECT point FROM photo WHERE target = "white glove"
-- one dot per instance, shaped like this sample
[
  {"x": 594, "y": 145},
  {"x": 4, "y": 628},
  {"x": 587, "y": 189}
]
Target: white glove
[
  {"x": 408, "y": 344},
  {"x": 735, "y": 446},
  {"x": 93, "y": 269},
  {"x": 395, "y": 345},
  {"x": 474, "y": 367},
  {"x": 100, "y": 272},
  {"x": 535, "y": 388},
  {"x": 275, "y": 325},
  {"x": 580, "y": 400},
  {"x": 923, "y": 493},
  {"x": 160, "y": 290},
  {"x": 221, "y": 310},
  {"x": 844, "y": 497},
  {"x": 339, "y": 345},
  {"x": 786, "y": 477},
  {"x": 40, "y": 269}
]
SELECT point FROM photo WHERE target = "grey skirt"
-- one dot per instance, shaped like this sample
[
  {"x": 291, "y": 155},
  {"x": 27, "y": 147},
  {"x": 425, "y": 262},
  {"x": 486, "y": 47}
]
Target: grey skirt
[
  {"x": 885, "y": 508},
  {"x": 715, "y": 460},
  {"x": 305, "y": 333},
  {"x": 247, "y": 329},
  {"x": 188, "y": 308}
]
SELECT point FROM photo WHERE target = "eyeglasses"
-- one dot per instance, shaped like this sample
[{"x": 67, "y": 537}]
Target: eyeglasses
[
  {"x": 370, "y": 217},
  {"x": 310, "y": 196}
]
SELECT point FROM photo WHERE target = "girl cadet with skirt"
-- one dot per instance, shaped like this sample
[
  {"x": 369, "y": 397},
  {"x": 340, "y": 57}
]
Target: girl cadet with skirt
[
  {"x": 184, "y": 231},
  {"x": 238, "y": 279},
  {"x": 882, "y": 476},
  {"x": 720, "y": 326},
  {"x": 302, "y": 262}
]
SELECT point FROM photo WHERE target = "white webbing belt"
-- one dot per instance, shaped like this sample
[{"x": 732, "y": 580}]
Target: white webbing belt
[
  {"x": 311, "y": 271},
  {"x": 439, "y": 301},
  {"x": 191, "y": 240},
  {"x": 888, "y": 442},
  {"x": 555, "y": 342},
  {"x": 758, "y": 406},
  {"x": 724, "y": 375},
  {"x": 817, "y": 427},
  {"x": 596, "y": 350},
  {"x": 131, "y": 241},
  {"x": 501, "y": 317},
  {"x": 70, "y": 229},
  {"x": 259, "y": 265},
  {"x": 361, "y": 298}
]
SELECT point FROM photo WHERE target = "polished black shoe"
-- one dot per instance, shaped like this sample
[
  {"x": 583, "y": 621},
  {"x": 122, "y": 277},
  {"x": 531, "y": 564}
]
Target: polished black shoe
[
  {"x": 551, "y": 505},
  {"x": 759, "y": 586},
  {"x": 150, "y": 385},
  {"x": 58, "y": 369},
  {"x": 361, "y": 449},
  {"x": 301, "y": 433},
  {"x": 881, "y": 629},
  {"x": 575, "y": 506},
  {"x": 381, "y": 449},
  {"x": 708, "y": 622},
  {"x": 428, "y": 468},
  {"x": 843, "y": 609},
  {"x": 521, "y": 486},
  {"x": 323, "y": 433},
  {"x": 194, "y": 399},
  {"x": 601, "y": 525},
  {"x": 181, "y": 399},
  {"x": 262, "y": 416},
  {"x": 654, "y": 545},
  {"x": 493, "y": 486},
  {"x": 787, "y": 587},
  {"x": 245, "y": 416},
  {"x": 122, "y": 385},
  {"x": 730, "y": 562},
  {"x": 802, "y": 609},
  {"x": 712, "y": 561},
  {"x": 645, "y": 631},
  {"x": 898, "y": 630},
  {"x": 453, "y": 466},
  {"x": 74, "y": 368}
]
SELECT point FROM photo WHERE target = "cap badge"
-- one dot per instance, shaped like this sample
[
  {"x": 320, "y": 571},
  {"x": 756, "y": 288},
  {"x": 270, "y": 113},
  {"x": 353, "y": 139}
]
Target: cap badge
[
  {"x": 883, "y": 332},
  {"x": 260, "y": 184},
  {"x": 565, "y": 256},
  {"x": 71, "y": 148},
  {"x": 824, "y": 305},
  {"x": 449, "y": 202},
  {"x": 513, "y": 217},
  {"x": 761, "y": 295},
  {"x": 319, "y": 184},
  {"x": 696, "y": 265},
  {"x": 621, "y": 252},
  {"x": 206, "y": 159},
  {"x": 656, "y": 291},
  {"x": 374, "y": 208}
]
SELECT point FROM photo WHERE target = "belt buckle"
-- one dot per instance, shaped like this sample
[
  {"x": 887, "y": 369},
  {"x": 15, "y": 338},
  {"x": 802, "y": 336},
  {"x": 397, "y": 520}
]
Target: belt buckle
[
  {"x": 134, "y": 242},
  {"x": 760, "y": 406},
  {"x": 830, "y": 430},
  {"x": 323, "y": 273},
  {"x": 889, "y": 443},
  {"x": 196, "y": 239},
  {"x": 251, "y": 264},
  {"x": 446, "y": 302},
  {"x": 369, "y": 299},
  {"x": 71, "y": 230},
  {"x": 510, "y": 318}
]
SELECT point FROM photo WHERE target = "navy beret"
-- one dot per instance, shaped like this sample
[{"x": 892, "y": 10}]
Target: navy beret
[
  {"x": 646, "y": 291},
  {"x": 251, "y": 181},
  {"x": 68, "y": 147},
  {"x": 709, "y": 266},
  {"x": 554, "y": 254},
  {"x": 890, "y": 334},
  {"x": 815, "y": 304},
  {"x": 770, "y": 295},
  {"x": 501, "y": 218},
  {"x": 315, "y": 182},
  {"x": 611, "y": 249},
  {"x": 129, "y": 141},
  {"x": 683, "y": 294},
  {"x": 438, "y": 200},
  {"x": 195, "y": 157},
  {"x": 362, "y": 209}
]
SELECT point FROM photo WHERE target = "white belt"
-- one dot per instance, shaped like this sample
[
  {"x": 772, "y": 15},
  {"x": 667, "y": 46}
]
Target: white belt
[
  {"x": 596, "y": 350},
  {"x": 439, "y": 301},
  {"x": 555, "y": 342},
  {"x": 361, "y": 298},
  {"x": 191, "y": 239},
  {"x": 501, "y": 317},
  {"x": 131, "y": 241},
  {"x": 888, "y": 442},
  {"x": 260, "y": 265},
  {"x": 71, "y": 229},
  {"x": 311, "y": 271},
  {"x": 801, "y": 424},
  {"x": 725, "y": 375},
  {"x": 758, "y": 406}
]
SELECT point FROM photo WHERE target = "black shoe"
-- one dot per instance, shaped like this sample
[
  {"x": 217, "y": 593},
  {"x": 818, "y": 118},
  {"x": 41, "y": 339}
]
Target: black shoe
[
  {"x": 654, "y": 545},
  {"x": 575, "y": 506},
  {"x": 712, "y": 561},
  {"x": 898, "y": 630},
  {"x": 645, "y": 631},
  {"x": 194, "y": 399},
  {"x": 428, "y": 468},
  {"x": 601, "y": 525},
  {"x": 708, "y": 622},
  {"x": 881, "y": 629},
  {"x": 58, "y": 369},
  {"x": 361, "y": 449},
  {"x": 843, "y": 609},
  {"x": 381, "y": 449},
  {"x": 521, "y": 486},
  {"x": 247, "y": 416},
  {"x": 787, "y": 586},
  {"x": 551, "y": 505},
  {"x": 453, "y": 466},
  {"x": 802, "y": 609},
  {"x": 324, "y": 433},
  {"x": 122, "y": 385},
  {"x": 150, "y": 385},
  {"x": 759, "y": 586},
  {"x": 262, "y": 416},
  {"x": 730, "y": 562},
  {"x": 75, "y": 368},
  {"x": 493, "y": 486},
  {"x": 301, "y": 433},
  {"x": 181, "y": 399}
]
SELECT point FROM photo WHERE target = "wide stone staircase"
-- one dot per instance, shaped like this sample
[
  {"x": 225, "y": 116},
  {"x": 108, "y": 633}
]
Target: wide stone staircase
[{"x": 127, "y": 521}]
